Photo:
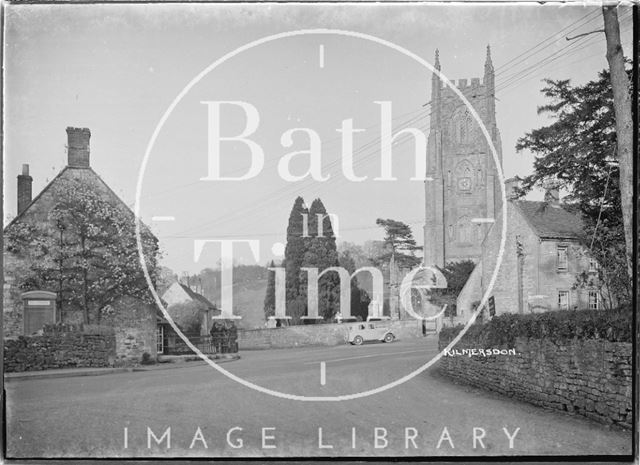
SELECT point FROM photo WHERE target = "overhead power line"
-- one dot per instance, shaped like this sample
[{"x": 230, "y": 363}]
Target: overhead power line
[{"x": 368, "y": 150}]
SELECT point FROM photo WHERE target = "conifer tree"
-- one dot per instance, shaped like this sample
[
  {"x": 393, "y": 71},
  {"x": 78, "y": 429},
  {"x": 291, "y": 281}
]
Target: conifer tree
[
  {"x": 359, "y": 297},
  {"x": 270, "y": 297},
  {"x": 399, "y": 242},
  {"x": 293, "y": 260},
  {"x": 322, "y": 253}
]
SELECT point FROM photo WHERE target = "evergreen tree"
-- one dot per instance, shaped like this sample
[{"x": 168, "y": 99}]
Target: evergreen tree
[
  {"x": 399, "y": 241},
  {"x": 293, "y": 259},
  {"x": 578, "y": 150},
  {"x": 270, "y": 297},
  {"x": 322, "y": 253},
  {"x": 359, "y": 297},
  {"x": 456, "y": 274}
]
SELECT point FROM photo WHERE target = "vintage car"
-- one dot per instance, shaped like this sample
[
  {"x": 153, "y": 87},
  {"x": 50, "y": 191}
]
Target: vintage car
[{"x": 370, "y": 331}]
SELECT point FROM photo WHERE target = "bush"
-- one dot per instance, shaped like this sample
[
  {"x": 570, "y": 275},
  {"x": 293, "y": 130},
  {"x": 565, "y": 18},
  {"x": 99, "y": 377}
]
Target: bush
[
  {"x": 146, "y": 359},
  {"x": 612, "y": 325}
]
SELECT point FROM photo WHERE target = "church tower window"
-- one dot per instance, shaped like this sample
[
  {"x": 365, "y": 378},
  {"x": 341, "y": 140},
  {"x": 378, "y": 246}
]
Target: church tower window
[{"x": 464, "y": 229}]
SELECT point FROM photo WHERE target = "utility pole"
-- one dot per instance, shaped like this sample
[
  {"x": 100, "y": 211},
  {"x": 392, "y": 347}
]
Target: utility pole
[{"x": 624, "y": 123}]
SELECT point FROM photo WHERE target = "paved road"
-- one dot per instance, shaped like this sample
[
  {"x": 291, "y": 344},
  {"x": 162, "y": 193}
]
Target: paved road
[{"x": 210, "y": 415}]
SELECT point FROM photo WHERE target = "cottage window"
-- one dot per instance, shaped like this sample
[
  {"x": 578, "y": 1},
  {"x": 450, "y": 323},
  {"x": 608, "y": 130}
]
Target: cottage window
[
  {"x": 562, "y": 258},
  {"x": 594, "y": 300},
  {"x": 160, "y": 340},
  {"x": 593, "y": 265},
  {"x": 563, "y": 300}
]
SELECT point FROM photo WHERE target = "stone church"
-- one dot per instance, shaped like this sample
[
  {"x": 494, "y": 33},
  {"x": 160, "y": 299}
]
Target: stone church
[{"x": 462, "y": 188}]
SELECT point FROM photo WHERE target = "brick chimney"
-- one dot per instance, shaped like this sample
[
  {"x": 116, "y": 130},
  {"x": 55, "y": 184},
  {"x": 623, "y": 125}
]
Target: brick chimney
[
  {"x": 24, "y": 189},
  {"x": 78, "y": 147},
  {"x": 552, "y": 196},
  {"x": 510, "y": 186}
]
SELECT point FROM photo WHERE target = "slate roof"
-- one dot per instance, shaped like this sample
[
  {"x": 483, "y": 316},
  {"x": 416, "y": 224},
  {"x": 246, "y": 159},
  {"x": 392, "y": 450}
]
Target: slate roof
[
  {"x": 550, "y": 221},
  {"x": 86, "y": 175},
  {"x": 197, "y": 297}
]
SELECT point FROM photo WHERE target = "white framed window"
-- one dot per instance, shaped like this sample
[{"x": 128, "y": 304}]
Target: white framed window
[
  {"x": 160, "y": 340},
  {"x": 562, "y": 258},
  {"x": 563, "y": 300},
  {"x": 594, "y": 300},
  {"x": 593, "y": 265}
]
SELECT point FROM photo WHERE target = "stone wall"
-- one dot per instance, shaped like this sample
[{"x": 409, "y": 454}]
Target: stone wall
[
  {"x": 585, "y": 377},
  {"x": 134, "y": 324},
  {"x": 61, "y": 346},
  {"x": 314, "y": 335}
]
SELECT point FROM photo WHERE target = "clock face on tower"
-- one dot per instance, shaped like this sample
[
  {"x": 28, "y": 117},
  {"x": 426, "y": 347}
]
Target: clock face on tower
[
  {"x": 464, "y": 184},
  {"x": 235, "y": 183}
]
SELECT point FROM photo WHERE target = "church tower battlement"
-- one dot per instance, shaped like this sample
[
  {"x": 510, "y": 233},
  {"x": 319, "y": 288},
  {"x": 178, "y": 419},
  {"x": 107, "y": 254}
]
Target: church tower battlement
[{"x": 462, "y": 191}]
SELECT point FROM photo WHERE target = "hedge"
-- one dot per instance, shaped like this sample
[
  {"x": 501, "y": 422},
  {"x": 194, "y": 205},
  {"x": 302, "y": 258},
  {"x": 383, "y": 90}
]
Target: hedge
[{"x": 612, "y": 325}]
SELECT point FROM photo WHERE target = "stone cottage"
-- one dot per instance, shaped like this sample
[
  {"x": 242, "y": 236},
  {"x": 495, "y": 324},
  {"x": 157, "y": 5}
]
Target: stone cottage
[
  {"x": 133, "y": 322},
  {"x": 181, "y": 298},
  {"x": 543, "y": 255}
]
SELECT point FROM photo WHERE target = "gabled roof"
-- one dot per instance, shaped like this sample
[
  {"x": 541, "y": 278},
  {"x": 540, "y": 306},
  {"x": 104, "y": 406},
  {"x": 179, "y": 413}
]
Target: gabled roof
[
  {"x": 549, "y": 221},
  {"x": 197, "y": 297},
  {"x": 84, "y": 174}
]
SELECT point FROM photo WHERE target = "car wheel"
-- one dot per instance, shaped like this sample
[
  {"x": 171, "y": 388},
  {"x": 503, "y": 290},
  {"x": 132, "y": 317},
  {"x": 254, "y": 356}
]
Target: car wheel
[
  {"x": 388, "y": 337},
  {"x": 358, "y": 340}
]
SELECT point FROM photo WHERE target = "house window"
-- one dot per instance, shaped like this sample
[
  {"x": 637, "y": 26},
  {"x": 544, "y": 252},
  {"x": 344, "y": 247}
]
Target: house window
[
  {"x": 160, "y": 340},
  {"x": 563, "y": 300},
  {"x": 593, "y": 265},
  {"x": 594, "y": 300},
  {"x": 562, "y": 258}
]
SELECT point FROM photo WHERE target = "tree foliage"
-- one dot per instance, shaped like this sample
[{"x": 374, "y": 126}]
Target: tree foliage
[
  {"x": 456, "y": 274},
  {"x": 270, "y": 297},
  {"x": 86, "y": 251},
  {"x": 188, "y": 316},
  {"x": 293, "y": 258},
  {"x": 577, "y": 151},
  {"x": 322, "y": 253},
  {"x": 398, "y": 241},
  {"x": 359, "y": 297},
  {"x": 306, "y": 248}
]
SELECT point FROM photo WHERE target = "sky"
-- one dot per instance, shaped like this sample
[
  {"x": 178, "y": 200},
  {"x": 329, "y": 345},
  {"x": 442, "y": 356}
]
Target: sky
[{"x": 117, "y": 69}]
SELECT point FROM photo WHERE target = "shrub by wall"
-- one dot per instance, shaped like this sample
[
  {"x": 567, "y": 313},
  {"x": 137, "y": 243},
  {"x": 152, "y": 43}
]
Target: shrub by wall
[
  {"x": 613, "y": 326},
  {"x": 579, "y": 362},
  {"x": 61, "y": 346}
]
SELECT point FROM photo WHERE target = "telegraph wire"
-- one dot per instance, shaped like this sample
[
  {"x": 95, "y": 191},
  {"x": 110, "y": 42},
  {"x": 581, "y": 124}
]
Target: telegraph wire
[{"x": 509, "y": 81}]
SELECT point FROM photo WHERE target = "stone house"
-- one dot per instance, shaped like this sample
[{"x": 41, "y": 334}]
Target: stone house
[
  {"x": 543, "y": 255},
  {"x": 181, "y": 298},
  {"x": 133, "y": 321}
]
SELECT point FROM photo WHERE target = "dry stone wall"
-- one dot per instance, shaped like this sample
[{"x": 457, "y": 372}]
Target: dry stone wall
[
  {"x": 589, "y": 377},
  {"x": 61, "y": 346}
]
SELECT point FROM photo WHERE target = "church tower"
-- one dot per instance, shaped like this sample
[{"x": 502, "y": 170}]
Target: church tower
[{"x": 462, "y": 193}]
